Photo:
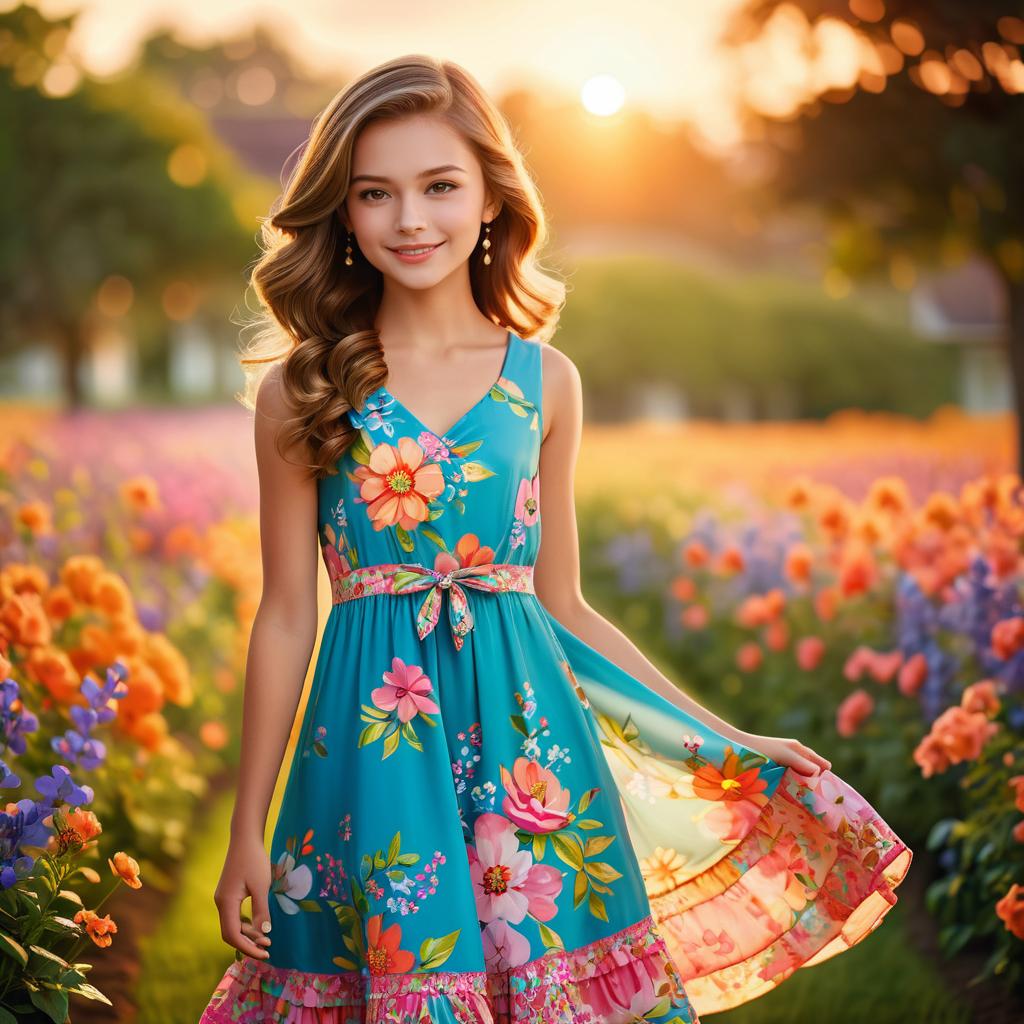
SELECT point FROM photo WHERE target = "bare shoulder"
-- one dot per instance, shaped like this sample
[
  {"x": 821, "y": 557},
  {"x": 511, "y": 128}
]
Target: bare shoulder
[
  {"x": 271, "y": 398},
  {"x": 562, "y": 387}
]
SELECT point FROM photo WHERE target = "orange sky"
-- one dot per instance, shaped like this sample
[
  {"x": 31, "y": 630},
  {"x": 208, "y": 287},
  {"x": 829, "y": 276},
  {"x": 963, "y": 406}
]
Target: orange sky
[{"x": 662, "y": 53}]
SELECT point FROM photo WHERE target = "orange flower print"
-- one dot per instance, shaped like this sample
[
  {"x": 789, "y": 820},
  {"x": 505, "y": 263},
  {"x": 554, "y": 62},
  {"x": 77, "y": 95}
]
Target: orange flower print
[
  {"x": 663, "y": 871},
  {"x": 730, "y": 783},
  {"x": 382, "y": 953},
  {"x": 467, "y": 552},
  {"x": 397, "y": 484},
  {"x": 738, "y": 796}
]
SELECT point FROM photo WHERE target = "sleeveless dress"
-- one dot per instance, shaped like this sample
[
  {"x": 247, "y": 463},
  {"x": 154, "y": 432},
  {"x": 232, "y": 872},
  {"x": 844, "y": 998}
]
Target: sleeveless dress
[{"x": 486, "y": 820}]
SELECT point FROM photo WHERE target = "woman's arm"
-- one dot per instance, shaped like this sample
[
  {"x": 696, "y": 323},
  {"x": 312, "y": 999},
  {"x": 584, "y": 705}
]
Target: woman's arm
[
  {"x": 284, "y": 628},
  {"x": 557, "y": 573}
]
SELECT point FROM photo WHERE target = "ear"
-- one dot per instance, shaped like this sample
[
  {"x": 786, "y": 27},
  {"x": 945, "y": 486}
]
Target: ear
[{"x": 343, "y": 217}]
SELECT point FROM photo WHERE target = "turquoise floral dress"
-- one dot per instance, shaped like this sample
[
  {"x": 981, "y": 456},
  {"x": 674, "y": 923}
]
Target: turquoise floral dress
[{"x": 487, "y": 821}]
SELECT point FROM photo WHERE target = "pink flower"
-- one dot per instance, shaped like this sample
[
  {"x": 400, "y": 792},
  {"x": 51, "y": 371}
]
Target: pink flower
[
  {"x": 536, "y": 800},
  {"x": 506, "y": 882},
  {"x": 853, "y": 711},
  {"x": 913, "y": 675},
  {"x": 749, "y": 657},
  {"x": 406, "y": 687},
  {"x": 504, "y": 947},
  {"x": 528, "y": 500},
  {"x": 809, "y": 652},
  {"x": 981, "y": 696}
]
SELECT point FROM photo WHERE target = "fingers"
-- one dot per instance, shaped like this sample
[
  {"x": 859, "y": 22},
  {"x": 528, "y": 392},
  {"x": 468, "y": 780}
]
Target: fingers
[
  {"x": 255, "y": 935},
  {"x": 260, "y": 911},
  {"x": 236, "y": 932}
]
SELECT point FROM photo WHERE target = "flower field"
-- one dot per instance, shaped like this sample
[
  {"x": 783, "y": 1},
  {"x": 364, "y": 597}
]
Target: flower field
[{"x": 855, "y": 583}]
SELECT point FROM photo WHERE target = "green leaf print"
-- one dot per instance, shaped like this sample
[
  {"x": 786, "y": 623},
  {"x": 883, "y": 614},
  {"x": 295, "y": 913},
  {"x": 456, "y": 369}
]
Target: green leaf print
[
  {"x": 434, "y": 952},
  {"x": 434, "y": 537},
  {"x": 475, "y": 471},
  {"x": 404, "y": 540},
  {"x": 597, "y": 844},
  {"x": 568, "y": 848},
  {"x": 597, "y": 906},
  {"x": 551, "y": 939}
]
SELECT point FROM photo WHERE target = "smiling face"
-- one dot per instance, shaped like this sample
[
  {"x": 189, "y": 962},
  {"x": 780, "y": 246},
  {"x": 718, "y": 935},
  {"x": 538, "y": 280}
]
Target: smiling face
[{"x": 394, "y": 203}]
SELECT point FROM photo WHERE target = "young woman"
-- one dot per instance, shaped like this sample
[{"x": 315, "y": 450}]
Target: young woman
[{"x": 498, "y": 809}]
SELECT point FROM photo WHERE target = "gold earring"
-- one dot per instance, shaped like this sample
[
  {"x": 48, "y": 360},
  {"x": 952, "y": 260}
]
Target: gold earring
[
  {"x": 487, "y": 244},
  {"x": 348, "y": 249}
]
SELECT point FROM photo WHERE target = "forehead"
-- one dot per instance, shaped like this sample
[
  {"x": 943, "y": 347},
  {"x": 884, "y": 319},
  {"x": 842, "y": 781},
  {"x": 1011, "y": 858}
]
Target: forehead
[{"x": 400, "y": 149}]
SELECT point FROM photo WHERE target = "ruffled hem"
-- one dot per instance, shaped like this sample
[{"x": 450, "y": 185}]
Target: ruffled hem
[
  {"x": 610, "y": 981},
  {"x": 812, "y": 878}
]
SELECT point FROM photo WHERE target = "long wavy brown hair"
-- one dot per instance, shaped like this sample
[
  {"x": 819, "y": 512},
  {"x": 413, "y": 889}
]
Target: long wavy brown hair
[{"x": 317, "y": 315}]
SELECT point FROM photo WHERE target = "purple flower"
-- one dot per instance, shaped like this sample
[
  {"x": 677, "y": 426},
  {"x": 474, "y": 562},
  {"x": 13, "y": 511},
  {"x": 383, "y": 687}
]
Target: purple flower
[
  {"x": 8, "y": 780},
  {"x": 15, "y": 718},
  {"x": 25, "y": 827},
  {"x": 59, "y": 785}
]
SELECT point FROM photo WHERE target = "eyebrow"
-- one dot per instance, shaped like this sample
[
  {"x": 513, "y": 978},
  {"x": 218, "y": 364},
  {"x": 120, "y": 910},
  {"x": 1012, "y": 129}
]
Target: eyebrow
[{"x": 422, "y": 174}]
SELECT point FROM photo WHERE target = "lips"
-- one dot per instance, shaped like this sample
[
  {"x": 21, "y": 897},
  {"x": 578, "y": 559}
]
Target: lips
[{"x": 413, "y": 248}]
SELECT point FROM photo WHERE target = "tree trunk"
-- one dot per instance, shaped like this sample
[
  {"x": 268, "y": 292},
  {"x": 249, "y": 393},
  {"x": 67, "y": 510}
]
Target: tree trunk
[
  {"x": 71, "y": 343},
  {"x": 1015, "y": 347}
]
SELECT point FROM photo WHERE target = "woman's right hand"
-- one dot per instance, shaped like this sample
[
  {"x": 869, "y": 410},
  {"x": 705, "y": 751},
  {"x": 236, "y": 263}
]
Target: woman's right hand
[{"x": 246, "y": 873}]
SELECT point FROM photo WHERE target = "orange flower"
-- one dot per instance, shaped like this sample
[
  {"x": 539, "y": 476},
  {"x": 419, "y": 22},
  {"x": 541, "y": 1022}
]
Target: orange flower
[
  {"x": 825, "y": 601},
  {"x": 956, "y": 735},
  {"x": 99, "y": 929},
  {"x": 140, "y": 493},
  {"x": 126, "y": 868},
  {"x": 889, "y": 494},
  {"x": 51, "y": 667},
  {"x": 85, "y": 823},
  {"x": 981, "y": 696},
  {"x": 397, "y": 484},
  {"x": 79, "y": 574},
  {"x": 213, "y": 734},
  {"x": 18, "y": 578},
  {"x": 857, "y": 571},
  {"x": 110, "y": 594},
  {"x": 853, "y": 711},
  {"x": 1008, "y": 637},
  {"x": 749, "y": 657},
  {"x": 59, "y": 603},
  {"x": 731, "y": 560},
  {"x": 731, "y": 783},
  {"x": 1017, "y": 782},
  {"x": 683, "y": 588},
  {"x": 696, "y": 554},
  {"x": 23, "y": 619},
  {"x": 36, "y": 516},
  {"x": 182, "y": 539},
  {"x": 383, "y": 955},
  {"x": 941, "y": 510},
  {"x": 1010, "y": 910},
  {"x": 798, "y": 563},
  {"x": 171, "y": 667},
  {"x": 1018, "y": 831}
]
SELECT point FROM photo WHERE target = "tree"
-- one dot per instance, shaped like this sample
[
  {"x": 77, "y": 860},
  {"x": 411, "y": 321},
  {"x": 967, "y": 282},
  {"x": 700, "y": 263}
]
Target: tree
[
  {"x": 919, "y": 156},
  {"x": 109, "y": 178}
]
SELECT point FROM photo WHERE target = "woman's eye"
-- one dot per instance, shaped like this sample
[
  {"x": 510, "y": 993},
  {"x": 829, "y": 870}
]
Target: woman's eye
[{"x": 369, "y": 193}]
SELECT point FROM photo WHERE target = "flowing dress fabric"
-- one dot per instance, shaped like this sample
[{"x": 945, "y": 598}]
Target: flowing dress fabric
[{"x": 517, "y": 829}]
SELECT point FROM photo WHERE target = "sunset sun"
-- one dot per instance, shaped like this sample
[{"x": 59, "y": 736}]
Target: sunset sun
[{"x": 602, "y": 95}]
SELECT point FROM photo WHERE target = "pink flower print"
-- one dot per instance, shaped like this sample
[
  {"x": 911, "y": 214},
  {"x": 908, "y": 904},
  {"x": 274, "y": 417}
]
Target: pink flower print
[
  {"x": 535, "y": 800},
  {"x": 336, "y": 563},
  {"x": 506, "y": 883},
  {"x": 504, "y": 947},
  {"x": 528, "y": 500},
  {"x": 406, "y": 687}
]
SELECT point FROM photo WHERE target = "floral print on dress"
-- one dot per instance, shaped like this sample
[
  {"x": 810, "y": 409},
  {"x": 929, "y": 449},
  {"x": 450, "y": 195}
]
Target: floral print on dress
[{"x": 404, "y": 697}]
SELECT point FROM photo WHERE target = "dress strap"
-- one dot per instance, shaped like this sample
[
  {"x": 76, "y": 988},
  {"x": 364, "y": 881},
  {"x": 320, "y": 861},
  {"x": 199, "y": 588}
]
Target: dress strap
[{"x": 523, "y": 375}]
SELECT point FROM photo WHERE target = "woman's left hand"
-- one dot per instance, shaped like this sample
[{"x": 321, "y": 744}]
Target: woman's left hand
[{"x": 789, "y": 752}]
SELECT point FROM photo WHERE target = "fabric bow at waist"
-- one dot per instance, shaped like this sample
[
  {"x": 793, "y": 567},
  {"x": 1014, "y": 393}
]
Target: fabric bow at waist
[{"x": 410, "y": 577}]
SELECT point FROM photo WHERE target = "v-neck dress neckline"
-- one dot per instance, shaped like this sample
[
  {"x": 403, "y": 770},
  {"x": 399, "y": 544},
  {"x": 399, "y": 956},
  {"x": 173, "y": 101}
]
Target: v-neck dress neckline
[{"x": 510, "y": 341}]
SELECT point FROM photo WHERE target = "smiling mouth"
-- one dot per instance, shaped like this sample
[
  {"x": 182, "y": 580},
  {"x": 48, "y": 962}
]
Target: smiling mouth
[{"x": 412, "y": 250}]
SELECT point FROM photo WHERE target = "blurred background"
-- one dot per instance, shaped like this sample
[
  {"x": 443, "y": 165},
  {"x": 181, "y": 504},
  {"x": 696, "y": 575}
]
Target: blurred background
[{"x": 793, "y": 237}]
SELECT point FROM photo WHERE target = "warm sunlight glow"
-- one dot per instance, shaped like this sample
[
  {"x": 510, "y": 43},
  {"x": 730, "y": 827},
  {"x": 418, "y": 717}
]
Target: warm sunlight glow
[{"x": 602, "y": 95}]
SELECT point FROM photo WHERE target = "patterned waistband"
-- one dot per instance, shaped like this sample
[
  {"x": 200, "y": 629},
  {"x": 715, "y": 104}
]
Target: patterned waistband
[{"x": 409, "y": 577}]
